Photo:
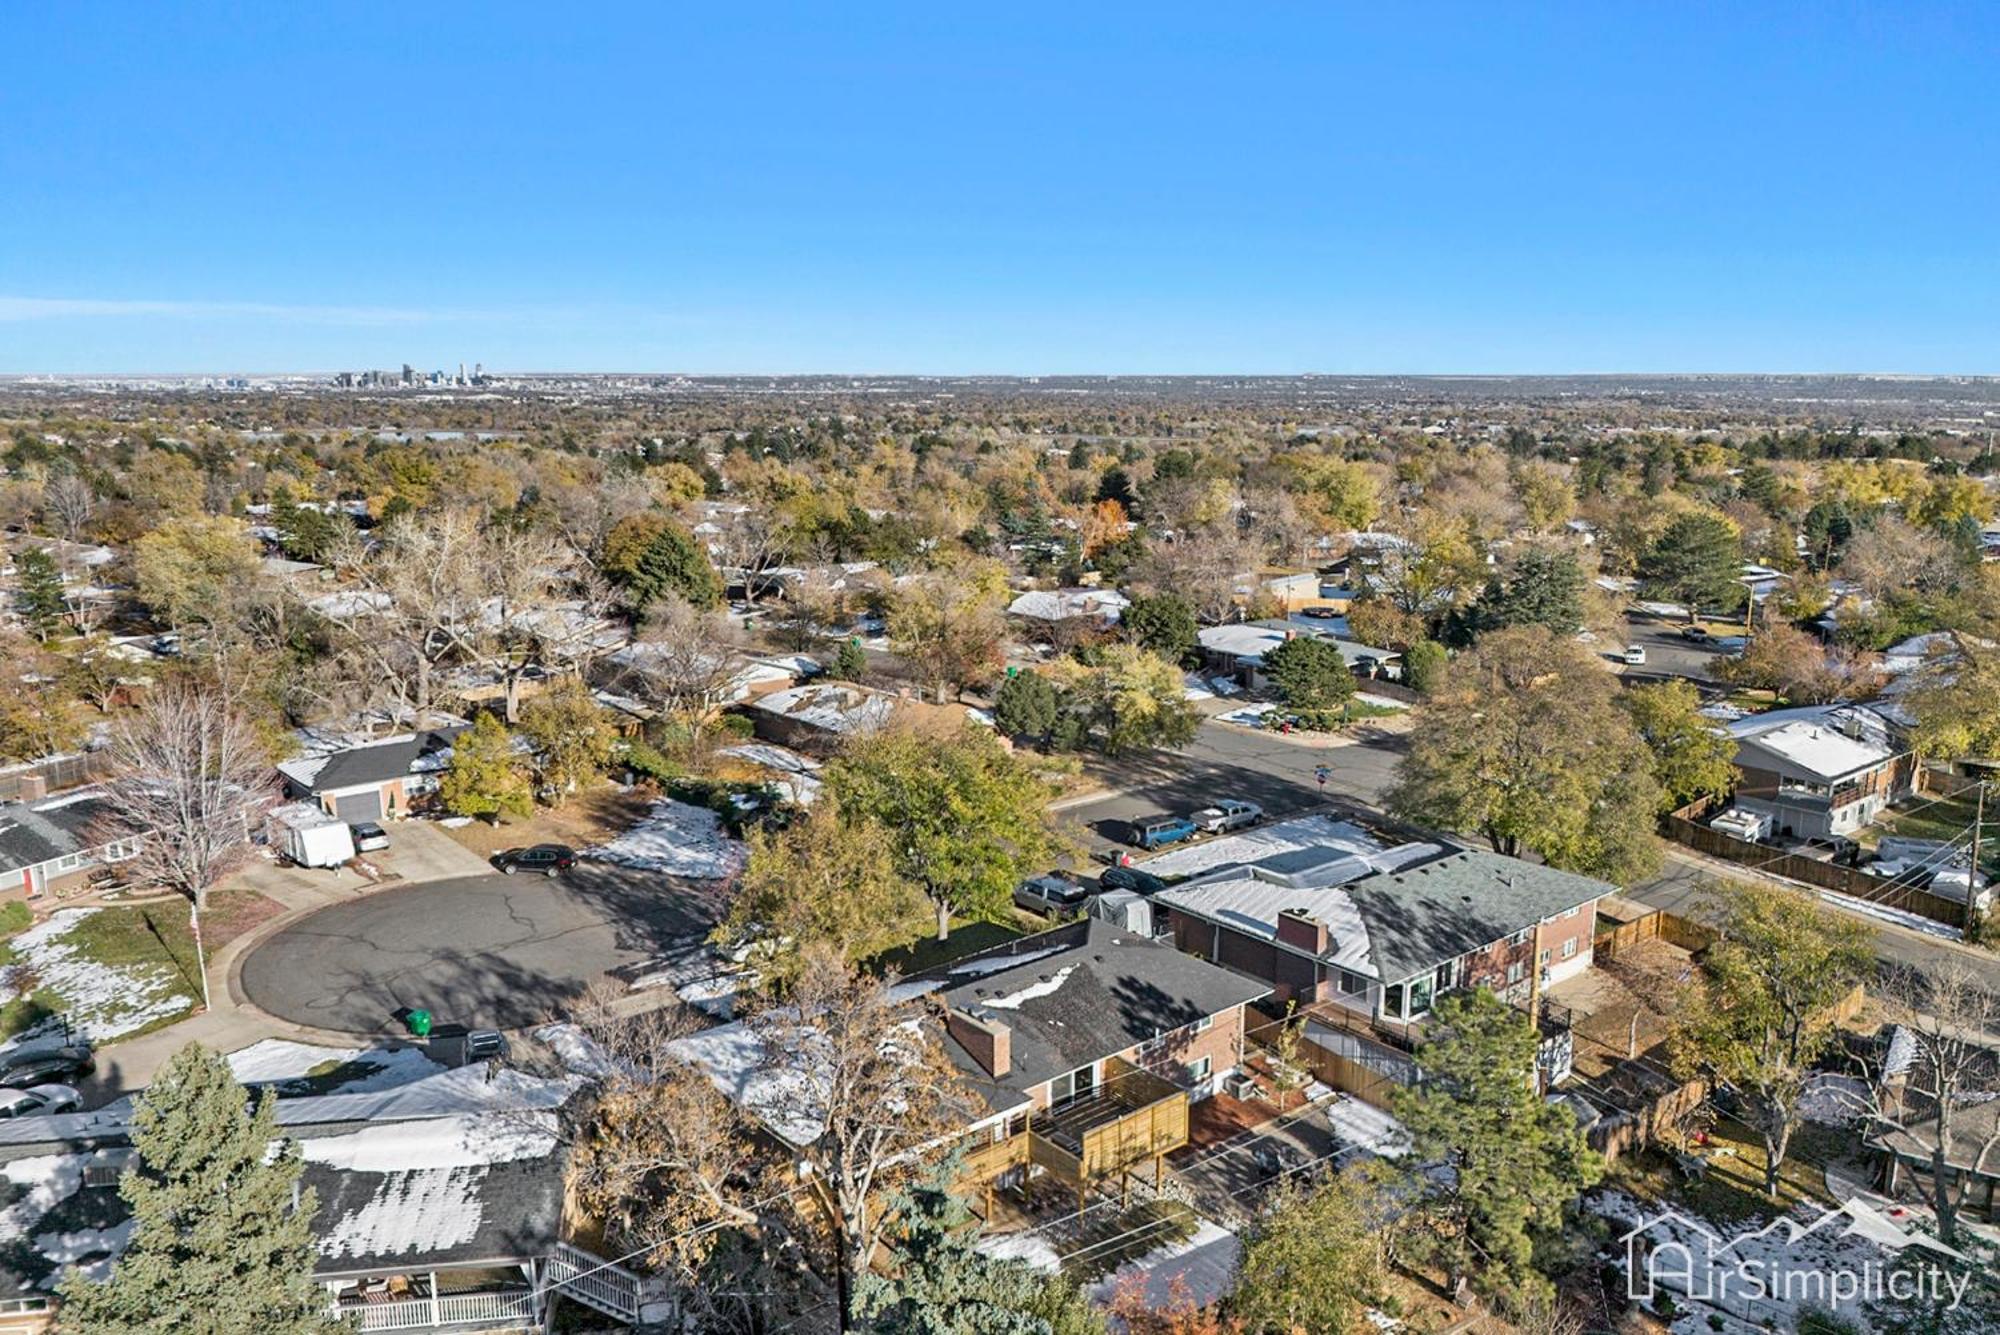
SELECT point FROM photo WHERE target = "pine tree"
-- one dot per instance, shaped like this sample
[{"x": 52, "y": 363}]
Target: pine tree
[
  {"x": 849, "y": 662},
  {"x": 938, "y": 1283},
  {"x": 223, "y": 1234},
  {"x": 41, "y": 596}
]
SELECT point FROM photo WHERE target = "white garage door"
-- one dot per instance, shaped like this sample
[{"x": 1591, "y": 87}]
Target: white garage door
[{"x": 359, "y": 807}]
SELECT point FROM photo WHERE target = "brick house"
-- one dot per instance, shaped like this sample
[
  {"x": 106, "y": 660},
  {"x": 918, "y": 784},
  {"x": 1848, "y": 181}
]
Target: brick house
[
  {"x": 1366, "y": 938},
  {"x": 374, "y": 780}
]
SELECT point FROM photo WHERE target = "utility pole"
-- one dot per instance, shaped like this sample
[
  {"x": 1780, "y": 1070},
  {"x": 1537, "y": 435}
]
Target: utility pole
[{"x": 1972, "y": 913}]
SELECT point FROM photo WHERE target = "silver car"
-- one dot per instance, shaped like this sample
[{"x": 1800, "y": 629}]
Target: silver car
[
  {"x": 39, "y": 1101},
  {"x": 1225, "y": 816}
]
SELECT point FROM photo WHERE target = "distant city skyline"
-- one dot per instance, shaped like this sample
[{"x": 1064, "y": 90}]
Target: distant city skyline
[{"x": 903, "y": 189}]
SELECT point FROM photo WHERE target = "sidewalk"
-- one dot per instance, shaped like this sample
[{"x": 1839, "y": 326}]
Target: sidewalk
[{"x": 231, "y": 1022}]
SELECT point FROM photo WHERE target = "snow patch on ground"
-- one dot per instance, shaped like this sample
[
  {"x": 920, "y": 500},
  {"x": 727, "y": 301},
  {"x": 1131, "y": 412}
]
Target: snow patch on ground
[
  {"x": 1030, "y": 1249},
  {"x": 1250, "y": 716},
  {"x": 677, "y": 839},
  {"x": 281, "y": 1059},
  {"x": 1205, "y": 1263},
  {"x": 1916, "y": 922},
  {"x": 359, "y": 1070},
  {"x": 104, "y": 1001},
  {"x": 1366, "y": 1126}
]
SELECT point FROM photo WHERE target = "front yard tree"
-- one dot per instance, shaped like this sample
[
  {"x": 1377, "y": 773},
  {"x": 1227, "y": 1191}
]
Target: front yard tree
[
  {"x": 41, "y": 600},
  {"x": 1691, "y": 756},
  {"x": 1761, "y": 1013},
  {"x": 1695, "y": 562},
  {"x": 950, "y": 629},
  {"x": 191, "y": 781},
  {"x": 685, "y": 664},
  {"x": 222, "y": 1236},
  {"x": 1127, "y": 699},
  {"x": 1545, "y": 588},
  {"x": 1314, "y": 1259},
  {"x": 1518, "y": 1163},
  {"x": 1310, "y": 673},
  {"x": 651, "y": 556},
  {"x": 482, "y": 779},
  {"x": 968, "y": 821},
  {"x": 822, "y": 881},
  {"x": 1525, "y": 744},
  {"x": 1163, "y": 623},
  {"x": 1026, "y": 706},
  {"x": 572, "y": 735}
]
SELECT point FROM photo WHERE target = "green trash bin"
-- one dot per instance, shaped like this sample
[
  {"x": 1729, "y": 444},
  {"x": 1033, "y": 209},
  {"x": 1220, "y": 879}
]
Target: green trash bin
[{"x": 419, "y": 1023}]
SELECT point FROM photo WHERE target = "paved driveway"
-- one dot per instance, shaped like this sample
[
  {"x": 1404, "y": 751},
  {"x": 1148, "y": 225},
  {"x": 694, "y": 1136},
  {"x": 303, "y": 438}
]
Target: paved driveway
[{"x": 486, "y": 950}]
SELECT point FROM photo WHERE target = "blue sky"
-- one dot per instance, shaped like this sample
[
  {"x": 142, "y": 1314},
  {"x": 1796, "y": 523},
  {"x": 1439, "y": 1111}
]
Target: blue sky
[{"x": 1004, "y": 188}]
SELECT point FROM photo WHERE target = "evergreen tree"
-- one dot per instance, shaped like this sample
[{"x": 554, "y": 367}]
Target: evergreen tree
[
  {"x": 1828, "y": 529},
  {"x": 1025, "y": 706},
  {"x": 1310, "y": 673},
  {"x": 1313, "y": 1258},
  {"x": 1545, "y": 588},
  {"x": 1163, "y": 623},
  {"x": 849, "y": 662},
  {"x": 223, "y": 1236},
  {"x": 41, "y": 591},
  {"x": 651, "y": 556},
  {"x": 938, "y": 1283},
  {"x": 1518, "y": 1162},
  {"x": 482, "y": 779},
  {"x": 1423, "y": 666},
  {"x": 1695, "y": 562}
]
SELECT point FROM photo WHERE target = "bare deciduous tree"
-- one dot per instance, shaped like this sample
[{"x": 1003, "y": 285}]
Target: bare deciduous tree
[
  {"x": 190, "y": 781},
  {"x": 1926, "y": 1089},
  {"x": 70, "y": 501},
  {"x": 684, "y": 662}
]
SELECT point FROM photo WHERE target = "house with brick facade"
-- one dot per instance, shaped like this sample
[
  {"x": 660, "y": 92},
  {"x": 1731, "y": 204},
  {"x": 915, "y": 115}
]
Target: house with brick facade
[
  {"x": 1083, "y": 1047},
  {"x": 1823, "y": 771},
  {"x": 1365, "y": 937},
  {"x": 375, "y": 780}
]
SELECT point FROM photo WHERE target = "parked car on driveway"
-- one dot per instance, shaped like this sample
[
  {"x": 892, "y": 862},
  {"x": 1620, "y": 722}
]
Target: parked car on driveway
[
  {"x": 548, "y": 859},
  {"x": 27, "y": 1067},
  {"x": 369, "y": 837},
  {"x": 1159, "y": 833},
  {"x": 39, "y": 1101},
  {"x": 1051, "y": 894},
  {"x": 1227, "y": 816},
  {"x": 1130, "y": 878}
]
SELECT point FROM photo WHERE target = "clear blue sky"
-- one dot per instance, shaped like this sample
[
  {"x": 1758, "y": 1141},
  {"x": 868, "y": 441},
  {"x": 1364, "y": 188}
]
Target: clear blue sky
[{"x": 1001, "y": 187}]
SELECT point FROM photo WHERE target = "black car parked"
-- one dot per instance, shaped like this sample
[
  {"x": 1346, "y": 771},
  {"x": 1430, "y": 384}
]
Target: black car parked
[
  {"x": 41, "y": 1066},
  {"x": 548, "y": 859},
  {"x": 1130, "y": 878}
]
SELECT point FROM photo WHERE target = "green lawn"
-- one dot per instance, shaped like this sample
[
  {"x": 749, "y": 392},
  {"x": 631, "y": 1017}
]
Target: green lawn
[{"x": 968, "y": 936}]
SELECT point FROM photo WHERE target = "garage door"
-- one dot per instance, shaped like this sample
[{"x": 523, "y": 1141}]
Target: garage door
[{"x": 359, "y": 807}]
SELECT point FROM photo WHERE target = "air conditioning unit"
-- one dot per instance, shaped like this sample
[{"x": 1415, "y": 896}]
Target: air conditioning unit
[{"x": 1240, "y": 1086}]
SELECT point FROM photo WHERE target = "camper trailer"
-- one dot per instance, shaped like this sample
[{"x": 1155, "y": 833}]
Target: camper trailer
[{"x": 306, "y": 834}]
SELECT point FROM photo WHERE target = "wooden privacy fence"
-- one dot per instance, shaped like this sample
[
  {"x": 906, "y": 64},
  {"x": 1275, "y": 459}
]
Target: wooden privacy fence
[
  {"x": 1628, "y": 933},
  {"x": 1686, "y": 829}
]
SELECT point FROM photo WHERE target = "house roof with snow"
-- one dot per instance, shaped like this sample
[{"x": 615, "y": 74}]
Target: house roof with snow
[
  {"x": 473, "y": 1173},
  {"x": 1390, "y": 913},
  {"x": 1248, "y": 641},
  {"x": 1823, "y": 742},
  {"x": 831, "y": 707},
  {"x": 371, "y": 762},
  {"x": 1106, "y": 605},
  {"x": 1078, "y": 994},
  {"x": 32, "y": 833}
]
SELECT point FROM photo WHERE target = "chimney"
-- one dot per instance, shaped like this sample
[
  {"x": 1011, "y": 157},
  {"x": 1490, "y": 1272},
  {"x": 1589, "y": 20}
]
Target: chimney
[
  {"x": 34, "y": 787},
  {"x": 1297, "y": 927},
  {"x": 990, "y": 1041}
]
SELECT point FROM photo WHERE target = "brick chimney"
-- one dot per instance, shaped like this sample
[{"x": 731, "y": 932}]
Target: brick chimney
[
  {"x": 1298, "y": 928},
  {"x": 990, "y": 1041}
]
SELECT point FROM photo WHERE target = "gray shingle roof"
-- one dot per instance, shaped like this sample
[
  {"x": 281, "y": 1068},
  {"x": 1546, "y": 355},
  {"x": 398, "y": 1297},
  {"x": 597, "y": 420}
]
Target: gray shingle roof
[
  {"x": 1094, "y": 990},
  {"x": 378, "y": 762},
  {"x": 36, "y": 832},
  {"x": 1438, "y": 910}
]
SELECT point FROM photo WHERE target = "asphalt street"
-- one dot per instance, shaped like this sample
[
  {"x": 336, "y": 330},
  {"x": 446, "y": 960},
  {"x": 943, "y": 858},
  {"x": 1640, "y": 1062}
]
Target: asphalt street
[{"x": 487, "y": 951}]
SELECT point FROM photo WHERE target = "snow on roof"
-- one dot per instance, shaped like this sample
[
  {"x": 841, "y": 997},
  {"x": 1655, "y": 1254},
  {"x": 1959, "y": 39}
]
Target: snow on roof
[
  {"x": 472, "y": 1141},
  {"x": 831, "y": 707},
  {"x": 1817, "y": 738},
  {"x": 1063, "y": 604},
  {"x": 1041, "y": 987},
  {"x": 303, "y": 816},
  {"x": 1265, "y": 841},
  {"x": 735, "y": 1058}
]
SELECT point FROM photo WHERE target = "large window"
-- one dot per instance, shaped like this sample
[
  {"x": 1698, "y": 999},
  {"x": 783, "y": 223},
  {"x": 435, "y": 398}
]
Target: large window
[{"x": 1198, "y": 1069}]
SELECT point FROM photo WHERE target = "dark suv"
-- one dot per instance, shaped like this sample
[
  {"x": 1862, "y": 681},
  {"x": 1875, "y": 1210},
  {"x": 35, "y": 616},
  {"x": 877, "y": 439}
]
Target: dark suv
[
  {"x": 548, "y": 859},
  {"x": 39, "y": 1066}
]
